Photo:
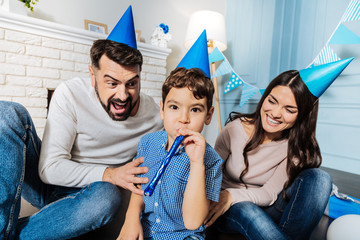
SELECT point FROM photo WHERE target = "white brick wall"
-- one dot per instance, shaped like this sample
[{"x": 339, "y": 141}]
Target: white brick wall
[{"x": 32, "y": 63}]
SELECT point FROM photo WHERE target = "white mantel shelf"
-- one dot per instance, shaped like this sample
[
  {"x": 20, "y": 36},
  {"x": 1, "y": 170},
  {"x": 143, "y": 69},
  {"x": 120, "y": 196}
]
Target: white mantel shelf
[{"x": 54, "y": 30}]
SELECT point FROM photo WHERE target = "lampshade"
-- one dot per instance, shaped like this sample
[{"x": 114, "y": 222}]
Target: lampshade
[{"x": 213, "y": 23}]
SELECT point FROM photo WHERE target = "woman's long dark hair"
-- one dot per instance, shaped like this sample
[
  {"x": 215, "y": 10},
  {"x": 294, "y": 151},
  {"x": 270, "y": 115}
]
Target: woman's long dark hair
[{"x": 303, "y": 149}]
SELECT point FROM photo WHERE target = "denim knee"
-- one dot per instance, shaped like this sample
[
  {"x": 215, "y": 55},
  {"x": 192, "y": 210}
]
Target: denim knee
[
  {"x": 15, "y": 109},
  {"x": 239, "y": 214},
  {"x": 104, "y": 200},
  {"x": 15, "y": 116},
  {"x": 319, "y": 180}
]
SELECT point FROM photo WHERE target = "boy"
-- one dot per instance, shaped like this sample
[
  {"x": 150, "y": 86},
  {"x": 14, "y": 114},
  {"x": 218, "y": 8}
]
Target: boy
[{"x": 181, "y": 199}]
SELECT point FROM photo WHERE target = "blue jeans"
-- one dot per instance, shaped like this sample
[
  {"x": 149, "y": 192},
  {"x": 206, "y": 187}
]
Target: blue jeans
[
  {"x": 285, "y": 219},
  {"x": 64, "y": 212},
  {"x": 187, "y": 238}
]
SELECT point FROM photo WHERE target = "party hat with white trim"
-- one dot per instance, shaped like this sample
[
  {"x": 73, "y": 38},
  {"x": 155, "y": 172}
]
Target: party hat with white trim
[
  {"x": 319, "y": 78},
  {"x": 197, "y": 56},
  {"x": 124, "y": 31}
]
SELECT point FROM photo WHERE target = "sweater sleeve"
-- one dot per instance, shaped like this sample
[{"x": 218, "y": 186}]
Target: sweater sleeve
[
  {"x": 56, "y": 165},
  {"x": 265, "y": 195},
  {"x": 222, "y": 144}
]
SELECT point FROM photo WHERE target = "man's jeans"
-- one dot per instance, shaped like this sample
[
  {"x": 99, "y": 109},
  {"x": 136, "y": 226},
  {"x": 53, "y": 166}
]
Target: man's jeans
[
  {"x": 64, "y": 212},
  {"x": 292, "y": 219}
]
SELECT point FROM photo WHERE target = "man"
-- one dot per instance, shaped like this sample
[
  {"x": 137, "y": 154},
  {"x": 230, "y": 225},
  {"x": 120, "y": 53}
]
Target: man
[{"x": 90, "y": 138}]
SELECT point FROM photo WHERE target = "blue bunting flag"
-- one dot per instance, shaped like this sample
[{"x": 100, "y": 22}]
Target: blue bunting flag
[
  {"x": 343, "y": 35},
  {"x": 234, "y": 82},
  {"x": 352, "y": 12},
  {"x": 223, "y": 69},
  {"x": 247, "y": 92},
  {"x": 215, "y": 56},
  {"x": 326, "y": 55}
]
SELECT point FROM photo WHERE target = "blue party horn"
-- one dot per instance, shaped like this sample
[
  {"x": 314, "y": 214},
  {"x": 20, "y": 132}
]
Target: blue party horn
[{"x": 150, "y": 188}]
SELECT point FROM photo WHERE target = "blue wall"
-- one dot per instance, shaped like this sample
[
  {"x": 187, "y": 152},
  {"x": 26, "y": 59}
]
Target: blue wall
[{"x": 267, "y": 37}]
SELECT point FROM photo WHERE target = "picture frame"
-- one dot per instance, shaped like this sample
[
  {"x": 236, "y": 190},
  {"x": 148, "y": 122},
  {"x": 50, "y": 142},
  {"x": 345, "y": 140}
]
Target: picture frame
[
  {"x": 138, "y": 35},
  {"x": 95, "y": 26}
]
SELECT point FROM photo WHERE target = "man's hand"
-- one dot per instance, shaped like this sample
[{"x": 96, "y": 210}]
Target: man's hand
[{"x": 125, "y": 176}]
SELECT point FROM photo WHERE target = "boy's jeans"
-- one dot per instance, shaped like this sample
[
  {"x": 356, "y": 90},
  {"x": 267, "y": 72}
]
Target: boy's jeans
[
  {"x": 64, "y": 212},
  {"x": 293, "y": 219}
]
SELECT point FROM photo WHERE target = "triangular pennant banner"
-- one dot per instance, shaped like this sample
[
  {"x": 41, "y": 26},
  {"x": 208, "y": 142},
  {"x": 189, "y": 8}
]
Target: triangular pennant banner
[
  {"x": 343, "y": 35},
  {"x": 247, "y": 92},
  {"x": 234, "y": 82},
  {"x": 215, "y": 56},
  {"x": 223, "y": 69},
  {"x": 352, "y": 13},
  {"x": 326, "y": 55}
]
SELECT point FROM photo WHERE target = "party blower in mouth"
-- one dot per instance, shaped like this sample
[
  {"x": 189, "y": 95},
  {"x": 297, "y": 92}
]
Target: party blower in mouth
[{"x": 150, "y": 188}]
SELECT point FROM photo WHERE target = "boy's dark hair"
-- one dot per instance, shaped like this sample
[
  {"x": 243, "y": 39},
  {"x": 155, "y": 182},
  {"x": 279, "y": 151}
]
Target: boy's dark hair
[
  {"x": 194, "y": 79},
  {"x": 117, "y": 52}
]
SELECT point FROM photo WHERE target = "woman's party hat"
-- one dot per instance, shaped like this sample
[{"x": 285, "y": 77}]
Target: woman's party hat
[{"x": 319, "y": 78}]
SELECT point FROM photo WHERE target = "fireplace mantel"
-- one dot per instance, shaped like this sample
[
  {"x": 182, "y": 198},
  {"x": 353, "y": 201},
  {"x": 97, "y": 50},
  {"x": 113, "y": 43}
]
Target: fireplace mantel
[
  {"x": 37, "y": 55},
  {"x": 54, "y": 30}
]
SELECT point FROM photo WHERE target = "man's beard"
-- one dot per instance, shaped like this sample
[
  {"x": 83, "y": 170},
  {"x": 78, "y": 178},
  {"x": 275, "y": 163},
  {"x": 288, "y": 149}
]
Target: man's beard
[{"x": 117, "y": 117}]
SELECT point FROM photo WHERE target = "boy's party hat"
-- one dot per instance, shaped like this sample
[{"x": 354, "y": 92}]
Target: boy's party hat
[
  {"x": 319, "y": 78},
  {"x": 124, "y": 31},
  {"x": 197, "y": 56}
]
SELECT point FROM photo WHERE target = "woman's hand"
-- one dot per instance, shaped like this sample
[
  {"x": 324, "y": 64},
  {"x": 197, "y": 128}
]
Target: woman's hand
[{"x": 218, "y": 208}]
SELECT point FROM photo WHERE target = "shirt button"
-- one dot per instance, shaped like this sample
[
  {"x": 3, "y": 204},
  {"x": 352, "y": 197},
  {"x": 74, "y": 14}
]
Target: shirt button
[
  {"x": 156, "y": 204},
  {"x": 157, "y": 220},
  {"x": 159, "y": 181}
]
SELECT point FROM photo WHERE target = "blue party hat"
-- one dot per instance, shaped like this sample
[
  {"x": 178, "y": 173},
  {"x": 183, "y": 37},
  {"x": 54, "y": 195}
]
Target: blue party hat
[
  {"x": 319, "y": 78},
  {"x": 124, "y": 31},
  {"x": 197, "y": 56}
]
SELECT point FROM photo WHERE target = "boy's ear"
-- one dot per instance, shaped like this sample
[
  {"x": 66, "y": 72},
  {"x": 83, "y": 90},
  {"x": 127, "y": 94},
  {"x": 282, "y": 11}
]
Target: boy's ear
[
  {"x": 161, "y": 110},
  {"x": 209, "y": 115}
]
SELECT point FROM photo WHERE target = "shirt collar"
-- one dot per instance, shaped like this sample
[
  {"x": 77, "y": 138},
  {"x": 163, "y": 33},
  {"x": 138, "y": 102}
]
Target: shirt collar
[{"x": 164, "y": 136}]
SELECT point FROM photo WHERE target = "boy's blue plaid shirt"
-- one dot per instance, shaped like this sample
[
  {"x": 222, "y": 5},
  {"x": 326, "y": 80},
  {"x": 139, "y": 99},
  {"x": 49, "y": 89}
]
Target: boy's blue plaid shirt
[{"x": 162, "y": 217}]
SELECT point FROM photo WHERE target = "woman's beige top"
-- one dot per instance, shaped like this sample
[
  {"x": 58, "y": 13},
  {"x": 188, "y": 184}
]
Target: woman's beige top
[{"x": 267, "y": 166}]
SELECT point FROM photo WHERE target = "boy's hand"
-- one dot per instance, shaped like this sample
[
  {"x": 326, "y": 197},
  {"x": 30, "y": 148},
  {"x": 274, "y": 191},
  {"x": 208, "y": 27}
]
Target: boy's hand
[
  {"x": 131, "y": 230},
  {"x": 195, "y": 145},
  {"x": 125, "y": 176}
]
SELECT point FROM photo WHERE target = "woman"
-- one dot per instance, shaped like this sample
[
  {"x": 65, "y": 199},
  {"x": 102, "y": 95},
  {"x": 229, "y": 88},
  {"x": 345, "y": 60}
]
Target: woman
[{"x": 272, "y": 187}]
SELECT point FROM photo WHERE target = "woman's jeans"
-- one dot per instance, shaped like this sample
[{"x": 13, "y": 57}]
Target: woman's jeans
[
  {"x": 292, "y": 219},
  {"x": 64, "y": 212}
]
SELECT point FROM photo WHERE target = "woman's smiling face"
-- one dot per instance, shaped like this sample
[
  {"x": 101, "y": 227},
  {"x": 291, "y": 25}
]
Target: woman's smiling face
[{"x": 278, "y": 112}]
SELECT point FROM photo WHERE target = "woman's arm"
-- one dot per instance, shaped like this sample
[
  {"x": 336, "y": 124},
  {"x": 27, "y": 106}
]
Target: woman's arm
[
  {"x": 195, "y": 204},
  {"x": 266, "y": 194}
]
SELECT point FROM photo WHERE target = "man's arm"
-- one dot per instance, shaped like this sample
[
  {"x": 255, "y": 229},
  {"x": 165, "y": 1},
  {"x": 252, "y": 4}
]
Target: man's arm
[
  {"x": 55, "y": 164},
  {"x": 195, "y": 205}
]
